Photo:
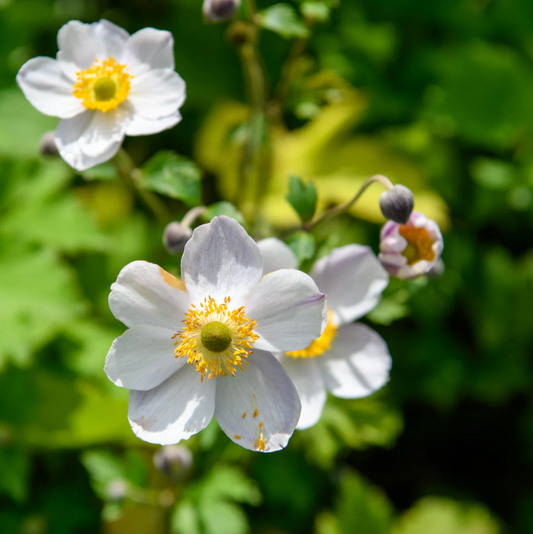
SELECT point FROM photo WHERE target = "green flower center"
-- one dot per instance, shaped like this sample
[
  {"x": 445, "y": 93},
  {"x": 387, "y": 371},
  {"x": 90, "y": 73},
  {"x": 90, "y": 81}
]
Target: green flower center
[
  {"x": 216, "y": 336},
  {"x": 104, "y": 89}
]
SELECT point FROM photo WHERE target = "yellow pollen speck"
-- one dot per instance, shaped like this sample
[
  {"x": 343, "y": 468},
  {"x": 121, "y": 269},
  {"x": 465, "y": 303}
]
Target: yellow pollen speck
[
  {"x": 223, "y": 362},
  {"x": 260, "y": 439},
  {"x": 254, "y": 404},
  {"x": 102, "y": 86},
  {"x": 319, "y": 345},
  {"x": 171, "y": 280},
  {"x": 237, "y": 437},
  {"x": 419, "y": 244}
]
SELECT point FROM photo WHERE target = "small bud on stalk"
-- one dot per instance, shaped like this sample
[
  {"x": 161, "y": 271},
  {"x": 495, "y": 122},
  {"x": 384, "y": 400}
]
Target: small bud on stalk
[
  {"x": 173, "y": 460},
  {"x": 175, "y": 237},
  {"x": 219, "y": 10},
  {"x": 47, "y": 145},
  {"x": 397, "y": 204},
  {"x": 118, "y": 490}
]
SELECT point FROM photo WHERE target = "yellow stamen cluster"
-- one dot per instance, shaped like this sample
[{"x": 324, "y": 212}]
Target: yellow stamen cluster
[
  {"x": 102, "y": 86},
  {"x": 260, "y": 439},
  {"x": 319, "y": 345},
  {"x": 419, "y": 244},
  {"x": 232, "y": 354}
]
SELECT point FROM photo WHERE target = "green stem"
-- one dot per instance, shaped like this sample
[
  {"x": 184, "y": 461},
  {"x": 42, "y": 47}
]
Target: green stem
[
  {"x": 343, "y": 207},
  {"x": 131, "y": 177}
]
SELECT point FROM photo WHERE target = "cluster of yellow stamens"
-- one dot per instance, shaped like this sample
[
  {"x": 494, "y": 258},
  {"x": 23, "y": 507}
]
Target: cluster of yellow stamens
[
  {"x": 320, "y": 344},
  {"x": 102, "y": 86},
  {"x": 215, "y": 339},
  {"x": 419, "y": 244}
]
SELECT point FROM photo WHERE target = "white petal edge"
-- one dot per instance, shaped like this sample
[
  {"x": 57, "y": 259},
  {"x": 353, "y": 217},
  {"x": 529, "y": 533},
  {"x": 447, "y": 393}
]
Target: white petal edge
[
  {"x": 48, "y": 90},
  {"x": 353, "y": 279},
  {"x": 175, "y": 410},
  {"x": 80, "y": 44},
  {"x": 276, "y": 255},
  {"x": 358, "y": 363},
  {"x": 157, "y": 93},
  {"x": 289, "y": 309},
  {"x": 91, "y": 137},
  {"x": 221, "y": 260},
  {"x": 263, "y": 385},
  {"x": 142, "y": 358},
  {"x": 305, "y": 375},
  {"x": 149, "y": 49},
  {"x": 144, "y": 293},
  {"x": 142, "y": 126}
]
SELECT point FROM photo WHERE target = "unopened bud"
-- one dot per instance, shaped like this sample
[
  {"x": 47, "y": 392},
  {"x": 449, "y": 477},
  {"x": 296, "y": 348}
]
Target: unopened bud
[
  {"x": 118, "y": 490},
  {"x": 437, "y": 270},
  {"x": 173, "y": 460},
  {"x": 219, "y": 10},
  {"x": 397, "y": 204},
  {"x": 47, "y": 145},
  {"x": 175, "y": 237}
]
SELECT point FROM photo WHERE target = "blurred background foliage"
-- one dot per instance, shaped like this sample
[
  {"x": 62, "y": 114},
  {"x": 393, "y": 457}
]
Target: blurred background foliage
[{"x": 435, "y": 95}]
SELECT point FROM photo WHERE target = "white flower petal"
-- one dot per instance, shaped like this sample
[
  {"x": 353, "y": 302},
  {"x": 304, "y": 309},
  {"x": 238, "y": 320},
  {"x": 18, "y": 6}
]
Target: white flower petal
[
  {"x": 143, "y": 126},
  {"x": 48, "y": 89},
  {"x": 144, "y": 293},
  {"x": 352, "y": 278},
  {"x": 91, "y": 137},
  {"x": 149, "y": 49},
  {"x": 305, "y": 375},
  {"x": 175, "y": 410},
  {"x": 156, "y": 93},
  {"x": 263, "y": 385},
  {"x": 289, "y": 309},
  {"x": 221, "y": 260},
  {"x": 357, "y": 364},
  {"x": 142, "y": 358},
  {"x": 80, "y": 44},
  {"x": 276, "y": 255}
]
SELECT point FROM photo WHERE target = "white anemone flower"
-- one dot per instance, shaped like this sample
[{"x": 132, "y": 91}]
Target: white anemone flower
[
  {"x": 104, "y": 84},
  {"x": 350, "y": 360},
  {"x": 202, "y": 346},
  {"x": 412, "y": 249}
]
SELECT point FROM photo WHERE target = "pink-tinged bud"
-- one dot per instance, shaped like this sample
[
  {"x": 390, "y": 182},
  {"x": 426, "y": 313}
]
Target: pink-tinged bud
[
  {"x": 174, "y": 461},
  {"x": 219, "y": 10},
  {"x": 412, "y": 249},
  {"x": 47, "y": 145}
]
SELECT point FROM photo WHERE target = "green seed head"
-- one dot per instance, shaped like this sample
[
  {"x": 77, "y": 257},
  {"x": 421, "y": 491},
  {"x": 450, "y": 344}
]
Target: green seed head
[
  {"x": 216, "y": 336},
  {"x": 104, "y": 89}
]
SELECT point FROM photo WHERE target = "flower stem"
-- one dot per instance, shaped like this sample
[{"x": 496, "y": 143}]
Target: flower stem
[
  {"x": 332, "y": 212},
  {"x": 131, "y": 177},
  {"x": 191, "y": 216}
]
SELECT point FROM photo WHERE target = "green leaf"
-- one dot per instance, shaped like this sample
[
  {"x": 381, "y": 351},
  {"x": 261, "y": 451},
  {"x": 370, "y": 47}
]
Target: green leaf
[
  {"x": 283, "y": 20},
  {"x": 104, "y": 468},
  {"x": 223, "y": 208},
  {"x": 173, "y": 176},
  {"x": 303, "y": 246},
  {"x": 184, "y": 519},
  {"x": 38, "y": 300},
  {"x": 362, "y": 507},
  {"x": 444, "y": 516},
  {"x": 315, "y": 11},
  {"x": 14, "y": 475},
  {"x": 229, "y": 483},
  {"x": 223, "y": 518},
  {"x": 302, "y": 198}
]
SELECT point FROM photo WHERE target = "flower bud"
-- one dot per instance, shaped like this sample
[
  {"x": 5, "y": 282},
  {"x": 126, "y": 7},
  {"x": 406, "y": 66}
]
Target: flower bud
[
  {"x": 397, "y": 204},
  {"x": 118, "y": 490},
  {"x": 219, "y": 10},
  {"x": 47, "y": 145},
  {"x": 175, "y": 237},
  {"x": 173, "y": 460},
  {"x": 412, "y": 249}
]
